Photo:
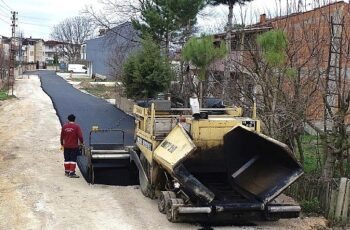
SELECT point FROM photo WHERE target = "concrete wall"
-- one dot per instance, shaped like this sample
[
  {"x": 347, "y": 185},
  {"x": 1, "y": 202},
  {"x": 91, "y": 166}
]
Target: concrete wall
[
  {"x": 21, "y": 69},
  {"x": 17, "y": 72},
  {"x": 29, "y": 54},
  {"x": 123, "y": 102},
  {"x": 53, "y": 68}
]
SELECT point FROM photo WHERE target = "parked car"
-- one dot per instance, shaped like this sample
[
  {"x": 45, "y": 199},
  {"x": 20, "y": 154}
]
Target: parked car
[{"x": 77, "y": 68}]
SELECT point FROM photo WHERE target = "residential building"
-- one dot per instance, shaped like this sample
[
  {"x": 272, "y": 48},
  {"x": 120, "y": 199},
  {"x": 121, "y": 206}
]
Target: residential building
[
  {"x": 83, "y": 52},
  {"x": 318, "y": 50},
  {"x": 106, "y": 53},
  {"x": 52, "y": 49},
  {"x": 28, "y": 50},
  {"x": 5, "y": 45},
  {"x": 33, "y": 50},
  {"x": 39, "y": 50}
]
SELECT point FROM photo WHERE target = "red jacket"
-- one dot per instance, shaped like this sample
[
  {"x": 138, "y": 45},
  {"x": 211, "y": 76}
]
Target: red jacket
[{"x": 71, "y": 135}]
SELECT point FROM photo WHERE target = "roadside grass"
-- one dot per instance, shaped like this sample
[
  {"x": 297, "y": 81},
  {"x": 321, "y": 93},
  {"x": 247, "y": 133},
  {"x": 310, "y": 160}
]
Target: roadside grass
[
  {"x": 312, "y": 153},
  {"x": 81, "y": 79},
  {"x": 310, "y": 205},
  {"x": 312, "y": 164},
  {"x": 4, "y": 95},
  {"x": 85, "y": 79},
  {"x": 102, "y": 91}
]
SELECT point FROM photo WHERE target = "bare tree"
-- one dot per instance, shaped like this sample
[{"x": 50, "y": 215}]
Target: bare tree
[
  {"x": 73, "y": 32},
  {"x": 4, "y": 63},
  {"x": 311, "y": 87},
  {"x": 113, "y": 13},
  {"x": 335, "y": 88},
  {"x": 286, "y": 93}
]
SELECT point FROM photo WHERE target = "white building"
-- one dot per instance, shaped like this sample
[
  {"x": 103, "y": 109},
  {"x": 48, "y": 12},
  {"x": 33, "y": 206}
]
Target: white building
[
  {"x": 33, "y": 50},
  {"x": 52, "y": 49}
]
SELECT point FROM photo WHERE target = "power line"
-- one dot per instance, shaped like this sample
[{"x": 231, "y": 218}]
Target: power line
[
  {"x": 4, "y": 14},
  {"x": 7, "y": 5},
  {"x": 35, "y": 24},
  {"x": 5, "y": 17},
  {"x": 4, "y": 21},
  {"x": 33, "y": 18},
  {"x": 4, "y": 10}
]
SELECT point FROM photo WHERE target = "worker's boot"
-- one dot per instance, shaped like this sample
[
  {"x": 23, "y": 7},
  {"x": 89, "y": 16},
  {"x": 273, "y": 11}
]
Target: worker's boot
[
  {"x": 73, "y": 175},
  {"x": 72, "y": 171},
  {"x": 66, "y": 173}
]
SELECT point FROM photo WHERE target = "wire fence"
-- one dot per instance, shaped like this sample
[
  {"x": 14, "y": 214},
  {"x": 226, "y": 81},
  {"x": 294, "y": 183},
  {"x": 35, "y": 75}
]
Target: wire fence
[{"x": 330, "y": 199}]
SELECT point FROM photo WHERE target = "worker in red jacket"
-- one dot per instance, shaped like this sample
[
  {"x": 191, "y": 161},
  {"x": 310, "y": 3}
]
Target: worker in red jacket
[{"x": 71, "y": 139}]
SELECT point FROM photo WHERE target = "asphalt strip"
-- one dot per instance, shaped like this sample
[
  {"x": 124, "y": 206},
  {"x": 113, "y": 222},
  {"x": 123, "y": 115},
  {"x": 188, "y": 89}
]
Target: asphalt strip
[{"x": 90, "y": 111}]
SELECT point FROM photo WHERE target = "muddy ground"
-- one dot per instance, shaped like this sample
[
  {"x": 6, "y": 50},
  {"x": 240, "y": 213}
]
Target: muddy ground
[{"x": 35, "y": 194}]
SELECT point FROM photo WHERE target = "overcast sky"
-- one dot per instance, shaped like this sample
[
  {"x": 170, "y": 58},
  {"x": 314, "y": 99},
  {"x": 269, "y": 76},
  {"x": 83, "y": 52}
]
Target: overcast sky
[{"x": 37, "y": 17}]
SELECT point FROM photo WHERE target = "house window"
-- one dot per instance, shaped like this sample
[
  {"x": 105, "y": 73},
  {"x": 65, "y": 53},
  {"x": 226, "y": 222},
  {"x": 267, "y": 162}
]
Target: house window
[{"x": 31, "y": 53}]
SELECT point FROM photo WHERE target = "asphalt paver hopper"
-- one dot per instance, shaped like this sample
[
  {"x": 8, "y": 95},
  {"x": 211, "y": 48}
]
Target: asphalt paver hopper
[{"x": 212, "y": 167}]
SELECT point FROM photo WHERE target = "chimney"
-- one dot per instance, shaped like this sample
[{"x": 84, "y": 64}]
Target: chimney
[
  {"x": 262, "y": 18},
  {"x": 102, "y": 32}
]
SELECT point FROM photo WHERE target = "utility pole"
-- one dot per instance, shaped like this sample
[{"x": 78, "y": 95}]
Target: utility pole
[{"x": 11, "y": 77}]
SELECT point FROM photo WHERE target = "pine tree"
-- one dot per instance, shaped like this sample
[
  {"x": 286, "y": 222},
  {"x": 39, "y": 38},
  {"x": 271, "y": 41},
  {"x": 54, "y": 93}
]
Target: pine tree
[
  {"x": 147, "y": 72},
  {"x": 161, "y": 19},
  {"x": 202, "y": 52},
  {"x": 229, "y": 28}
]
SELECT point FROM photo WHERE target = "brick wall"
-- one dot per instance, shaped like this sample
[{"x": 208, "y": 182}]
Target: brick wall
[{"x": 308, "y": 49}]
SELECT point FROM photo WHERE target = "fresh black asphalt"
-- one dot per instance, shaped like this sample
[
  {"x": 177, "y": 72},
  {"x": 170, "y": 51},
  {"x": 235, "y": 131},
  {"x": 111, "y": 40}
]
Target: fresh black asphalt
[{"x": 89, "y": 110}]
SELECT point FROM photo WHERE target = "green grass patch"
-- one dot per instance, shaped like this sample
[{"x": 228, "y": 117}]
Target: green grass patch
[
  {"x": 4, "y": 95},
  {"x": 312, "y": 153},
  {"x": 311, "y": 206},
  {"x": 81, "y": 79},
  {"x": 101, "y": 91}
]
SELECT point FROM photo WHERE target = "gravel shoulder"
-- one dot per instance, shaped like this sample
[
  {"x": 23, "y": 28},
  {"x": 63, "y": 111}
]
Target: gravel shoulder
[{"x": 35, "y": 194}]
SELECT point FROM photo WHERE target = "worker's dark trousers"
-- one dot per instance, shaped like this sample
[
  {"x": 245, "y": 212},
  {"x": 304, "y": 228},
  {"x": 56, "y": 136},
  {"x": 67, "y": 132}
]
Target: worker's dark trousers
[{"x": 70, "y": 159}]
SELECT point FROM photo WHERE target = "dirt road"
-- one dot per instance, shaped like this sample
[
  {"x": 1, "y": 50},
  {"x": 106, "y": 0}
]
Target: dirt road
[{"x": 35, "y": 194}]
